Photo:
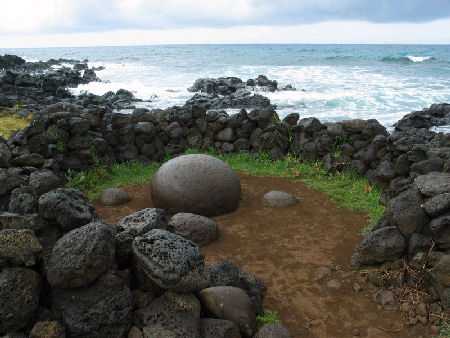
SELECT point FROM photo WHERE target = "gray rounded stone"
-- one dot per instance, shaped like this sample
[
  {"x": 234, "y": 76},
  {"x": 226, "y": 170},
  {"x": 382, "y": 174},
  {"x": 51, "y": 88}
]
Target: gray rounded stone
[
  {"x": 170, "y": 261},
  {"x": 280, "y": 199},
  {"x": 198, "y": 184},
  {"x": 20, "y": 290},
  {"x": 196, "y": 228},
  {"x": 230, "y": 303},
  {"x": 114, "y": 196},
  {"x": 82, "y": 255}
]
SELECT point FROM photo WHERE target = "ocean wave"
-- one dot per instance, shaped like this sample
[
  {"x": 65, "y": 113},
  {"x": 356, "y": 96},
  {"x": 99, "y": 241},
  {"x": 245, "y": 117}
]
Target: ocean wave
[{"x": 407, "y": 59}]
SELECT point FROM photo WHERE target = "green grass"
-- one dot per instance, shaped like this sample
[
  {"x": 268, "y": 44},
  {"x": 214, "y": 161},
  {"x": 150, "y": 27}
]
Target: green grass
[
  {"x": 268, "y": 317},
  {"x": 93, "y": 181},
  {"x": 445, "y": 330},
  {"x": 346, "y": 189},
  {"x": 10, "y": 123}
]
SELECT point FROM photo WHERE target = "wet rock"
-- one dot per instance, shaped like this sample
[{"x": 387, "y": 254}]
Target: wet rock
[
  {"x": 114, "y": 196},
  {"x": 48, "y": 329},
  {"x": 43, "y": 181},
  {"x": 224, "y": 273},
  {"x": 273, "y": 330},
  {"x": 218, "y": 328},
  {"x": 82, "y": 255},
  {"x": 433, "y": 184},
  {"x": 69, "y": 208},
  {"x": 230, "y": 303},
  {"x": 196, "y": 228},
  {"x": 199, "y": 184},
  {"x": 437, "y": 205},
  {"x": 405, "y": 212},
  {"x": 21, "y": 247},
  {"x": 20, "y": 290},
  {"x": 382, "y": 245},
  {"x": 171, "y": 261},
  {"x": 176, "y": 313},
  {"x": 135, "y": 333},
  {"x": 255, "y": 288},
  {"x": 279, "y": 199},
  {"x": 102, "y": 309}
]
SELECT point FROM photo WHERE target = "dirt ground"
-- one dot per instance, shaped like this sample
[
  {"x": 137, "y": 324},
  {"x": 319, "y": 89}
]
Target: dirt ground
[{"x": 286, "y": 248}]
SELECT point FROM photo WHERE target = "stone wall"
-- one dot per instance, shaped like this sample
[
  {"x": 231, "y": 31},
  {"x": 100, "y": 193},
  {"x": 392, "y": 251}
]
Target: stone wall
[{"x": 411, "y": 165}]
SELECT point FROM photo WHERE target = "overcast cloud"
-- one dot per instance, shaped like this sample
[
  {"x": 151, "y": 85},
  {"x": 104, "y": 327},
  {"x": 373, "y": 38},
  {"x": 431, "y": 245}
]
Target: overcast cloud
[{"x": 56, "y": 17}]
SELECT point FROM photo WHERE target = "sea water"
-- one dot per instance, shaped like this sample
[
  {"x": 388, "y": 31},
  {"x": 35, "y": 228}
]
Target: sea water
[{"x": 333, "y": 82}]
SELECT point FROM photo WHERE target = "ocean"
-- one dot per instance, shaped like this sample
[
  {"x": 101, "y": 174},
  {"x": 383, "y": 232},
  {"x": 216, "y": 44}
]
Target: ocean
[{"x": 334, "y": 82}]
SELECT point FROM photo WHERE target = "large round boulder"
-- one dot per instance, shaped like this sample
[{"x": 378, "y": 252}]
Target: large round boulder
[{"x": 197, "y": 183}]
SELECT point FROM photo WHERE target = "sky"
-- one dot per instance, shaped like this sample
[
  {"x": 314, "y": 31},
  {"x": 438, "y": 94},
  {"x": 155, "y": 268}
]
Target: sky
[{"x": 51, "y": 23}]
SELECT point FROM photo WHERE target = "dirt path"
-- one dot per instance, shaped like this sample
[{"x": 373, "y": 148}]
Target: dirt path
[{"x": 286, "y": 247}]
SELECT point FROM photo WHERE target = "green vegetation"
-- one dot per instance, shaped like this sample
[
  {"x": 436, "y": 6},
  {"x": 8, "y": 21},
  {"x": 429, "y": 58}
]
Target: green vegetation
[
  {"x": 346, "y": 189},
  {"x": 100, "y": 177},
  {"x": 269, "y": 316},
  {"x": 445, "y": 330},
  {"x": 10, "y": 123}
]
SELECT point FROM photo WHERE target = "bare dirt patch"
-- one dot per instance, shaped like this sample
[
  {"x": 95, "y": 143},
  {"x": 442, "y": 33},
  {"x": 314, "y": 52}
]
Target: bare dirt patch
[{"x": 290, "y": 249}]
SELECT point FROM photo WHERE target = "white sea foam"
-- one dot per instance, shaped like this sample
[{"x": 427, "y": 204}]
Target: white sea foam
[{"x": 418, "y": 58}]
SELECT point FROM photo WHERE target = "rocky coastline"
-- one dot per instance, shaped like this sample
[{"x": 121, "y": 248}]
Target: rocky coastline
[{"x": 63, "y": 270}]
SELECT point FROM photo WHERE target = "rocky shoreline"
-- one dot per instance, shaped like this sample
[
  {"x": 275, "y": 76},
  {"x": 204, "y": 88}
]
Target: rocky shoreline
[{"x": 58, "y": 262}]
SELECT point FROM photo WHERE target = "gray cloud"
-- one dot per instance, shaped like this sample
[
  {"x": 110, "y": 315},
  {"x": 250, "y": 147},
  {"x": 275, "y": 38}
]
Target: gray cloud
[{"x": 104, "y": 15}]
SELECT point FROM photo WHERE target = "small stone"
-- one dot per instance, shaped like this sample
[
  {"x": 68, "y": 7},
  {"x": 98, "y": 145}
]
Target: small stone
[
  {"x": 334, "y": 284},
  {"x": 321, "y": 273},
  {"x": 357, "y": 287},
  {"x": 135, "y": 333},
  {"x": 405, "y": 306},
  {"x": 280, "y": 199},
  {"x": 48, "y": 329},
  {"x": 230, "y": 303},
  {"x": 196, "y": 228},
  {"x": 114, "y": 196},
  {"x": 356, "y": 332}
]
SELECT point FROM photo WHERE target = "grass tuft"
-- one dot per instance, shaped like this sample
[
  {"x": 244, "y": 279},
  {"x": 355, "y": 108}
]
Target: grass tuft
[
  {"x": 445, "y": 330},
  {"x": 10, "y": 123},
  {"x": 268, "y": 317},
  {"x": 346, "y": 189},
  {"x": 100, "y": 177}
]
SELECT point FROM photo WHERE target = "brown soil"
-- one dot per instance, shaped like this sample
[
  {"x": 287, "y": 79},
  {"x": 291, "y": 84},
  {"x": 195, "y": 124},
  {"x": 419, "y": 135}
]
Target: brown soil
[{"x": 285, "y": 247}]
